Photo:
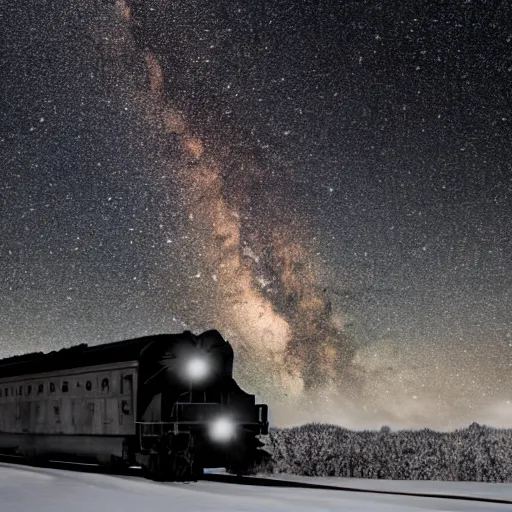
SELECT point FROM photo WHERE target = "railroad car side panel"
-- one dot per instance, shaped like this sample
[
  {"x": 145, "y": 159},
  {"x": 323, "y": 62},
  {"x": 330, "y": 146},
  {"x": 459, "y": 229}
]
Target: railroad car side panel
[{"x": 83, "y": 401}]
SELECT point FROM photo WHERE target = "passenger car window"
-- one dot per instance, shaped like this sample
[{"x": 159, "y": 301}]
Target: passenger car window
[
  {"x": 65, "y": 386},
  {"x": 125, "y": 407},
  {"x": 126, "y": 383}
]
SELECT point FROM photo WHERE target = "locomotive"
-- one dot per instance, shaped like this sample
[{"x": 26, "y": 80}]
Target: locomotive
[{"x": 168, "y": 403}]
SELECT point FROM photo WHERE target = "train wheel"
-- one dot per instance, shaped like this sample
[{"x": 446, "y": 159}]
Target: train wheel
[
  {"x": 181, "y": 465},
  {"x": 154, "y": 470}
]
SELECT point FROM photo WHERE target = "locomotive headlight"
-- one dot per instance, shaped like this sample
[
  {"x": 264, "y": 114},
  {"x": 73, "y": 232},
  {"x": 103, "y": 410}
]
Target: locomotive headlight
[
  {"x": 222, "y": 430},
  {"x": 197, "y": 369}
]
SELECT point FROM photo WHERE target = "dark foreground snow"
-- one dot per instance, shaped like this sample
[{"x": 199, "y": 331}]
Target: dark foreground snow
[{"x": 25, "y": 489}]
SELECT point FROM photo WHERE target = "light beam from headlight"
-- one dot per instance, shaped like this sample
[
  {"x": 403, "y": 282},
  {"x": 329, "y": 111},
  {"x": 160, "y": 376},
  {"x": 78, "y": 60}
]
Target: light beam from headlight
[{"x": 222, "y": 430}]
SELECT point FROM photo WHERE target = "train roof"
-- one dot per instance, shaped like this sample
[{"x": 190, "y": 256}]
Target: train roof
[{"x": 82, "y": 355}]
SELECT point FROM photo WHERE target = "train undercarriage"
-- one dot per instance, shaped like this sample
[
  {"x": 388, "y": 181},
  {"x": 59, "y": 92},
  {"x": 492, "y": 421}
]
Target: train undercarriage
[
  {"x": 183, "y": 454},
  {"x": 168, "y": 457},
  {"x": 176, "y": 457}
]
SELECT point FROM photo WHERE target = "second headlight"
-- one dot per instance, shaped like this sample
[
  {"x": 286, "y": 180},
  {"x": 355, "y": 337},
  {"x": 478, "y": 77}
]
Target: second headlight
[{"x": 222, "y": 430}]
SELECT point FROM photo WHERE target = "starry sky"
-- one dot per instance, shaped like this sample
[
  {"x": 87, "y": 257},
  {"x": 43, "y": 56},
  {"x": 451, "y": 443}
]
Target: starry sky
[{"x": 328, "y": 183}]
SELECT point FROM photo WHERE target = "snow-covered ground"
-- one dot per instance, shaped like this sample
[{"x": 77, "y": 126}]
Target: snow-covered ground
[
  {"x": 473, "y": 489},
  {"x": 54, "y": 490}
]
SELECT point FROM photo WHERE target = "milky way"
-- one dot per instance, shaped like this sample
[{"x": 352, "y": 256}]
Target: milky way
[{"x": 328, "y": 184}]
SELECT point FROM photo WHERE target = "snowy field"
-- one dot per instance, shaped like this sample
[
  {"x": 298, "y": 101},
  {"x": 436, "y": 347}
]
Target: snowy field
[
  {"x": 473, "y": 489},
  {"x": 54, "y": 490}
]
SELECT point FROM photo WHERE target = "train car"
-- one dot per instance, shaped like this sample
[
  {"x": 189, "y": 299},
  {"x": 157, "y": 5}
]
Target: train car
[{"x": 168, "y": 403}]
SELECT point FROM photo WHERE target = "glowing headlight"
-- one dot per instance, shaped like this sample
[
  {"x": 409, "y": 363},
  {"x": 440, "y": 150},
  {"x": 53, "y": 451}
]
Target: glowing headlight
[
  {"x": 197, "y": 369},
  {"x": 222, "y": 429}
]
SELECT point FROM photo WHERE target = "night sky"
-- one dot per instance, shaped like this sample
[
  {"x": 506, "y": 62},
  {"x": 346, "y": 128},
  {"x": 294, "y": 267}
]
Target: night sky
[{"x": 328, "y": 183}]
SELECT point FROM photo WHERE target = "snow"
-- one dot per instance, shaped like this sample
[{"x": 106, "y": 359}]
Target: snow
[
  {"x": 55, "y": 490},
  {"x": 472, "y": 489}
]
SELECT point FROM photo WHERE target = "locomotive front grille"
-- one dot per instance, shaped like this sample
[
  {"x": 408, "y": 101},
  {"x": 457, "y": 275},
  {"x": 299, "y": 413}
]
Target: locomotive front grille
[{"x": 190, "y": 416}]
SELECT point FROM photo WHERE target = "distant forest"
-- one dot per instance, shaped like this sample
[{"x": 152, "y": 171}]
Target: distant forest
[{"x": 476, "y": 454}]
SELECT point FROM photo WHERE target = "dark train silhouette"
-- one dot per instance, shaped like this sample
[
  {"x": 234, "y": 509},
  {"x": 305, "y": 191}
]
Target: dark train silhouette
[{"x": 168, "y": 403}]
